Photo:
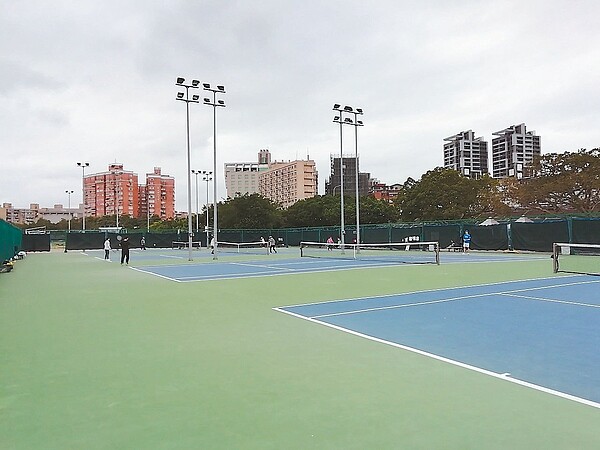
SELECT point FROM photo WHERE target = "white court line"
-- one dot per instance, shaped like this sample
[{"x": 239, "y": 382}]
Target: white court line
[
  {"x": 169, "y": 256},
  {"x": 542, "y": 299},
  {"x": 502, "y": 376},
  {"x": 381, "y": 308},
  {"x": 261, "y": 265},
  {"x": 430, "y": 290},
  {"x": 155, "y": 274}
]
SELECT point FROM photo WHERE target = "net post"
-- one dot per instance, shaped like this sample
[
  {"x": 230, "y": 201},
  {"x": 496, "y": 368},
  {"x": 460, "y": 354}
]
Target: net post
[
  {"x": 436, "y": 247},
  {"x": 555, "y": 248}
]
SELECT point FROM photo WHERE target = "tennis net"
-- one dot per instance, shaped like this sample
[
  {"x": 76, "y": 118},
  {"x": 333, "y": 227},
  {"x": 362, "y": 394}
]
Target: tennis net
[
  {"x": 255, "y": 248},
  {"x": 400, "y": 252},
  {"x": 180, "y": 245},
  {"x": 576, "y": 258}
]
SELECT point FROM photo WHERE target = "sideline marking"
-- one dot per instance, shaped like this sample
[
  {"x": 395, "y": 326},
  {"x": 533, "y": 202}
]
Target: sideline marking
[
  {"x": 542, "y": 299},
  {"x": 463, "y": 297},
  {"x": 501, "y": 376},
  {"x": 155, "y": 274}
]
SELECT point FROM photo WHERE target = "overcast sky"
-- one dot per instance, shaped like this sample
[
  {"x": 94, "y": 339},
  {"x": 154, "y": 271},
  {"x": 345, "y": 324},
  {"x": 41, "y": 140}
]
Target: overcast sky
[{"x": 94, "y": 81}]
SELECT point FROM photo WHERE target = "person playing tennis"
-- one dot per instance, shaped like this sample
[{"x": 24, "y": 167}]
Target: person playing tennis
[
  {"x": 466, "y": 241},
  {"x": 107, "y": 248},
  {"x": 125, "y": 250}
]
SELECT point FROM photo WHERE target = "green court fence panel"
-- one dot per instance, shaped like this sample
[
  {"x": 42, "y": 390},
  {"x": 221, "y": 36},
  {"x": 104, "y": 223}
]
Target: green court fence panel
[
  {"x": 36, "y": 242},
  {"x": 585, "y": 231},
  {"x": 540, "y": 236},
  {"x": 491, "y": 237},
  {"x": 292, "y": 237},
  {"x": 10, "y": 240}
]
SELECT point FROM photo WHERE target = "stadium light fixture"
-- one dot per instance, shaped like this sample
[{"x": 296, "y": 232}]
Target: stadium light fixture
[
  {"x": 188, "y": 100},
  {"x": 214, "y": 103}
]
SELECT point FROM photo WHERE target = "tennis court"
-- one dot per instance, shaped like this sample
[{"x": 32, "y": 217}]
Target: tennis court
[
  {"x": 288, "y": 261},
  {"x": 171, "y": 353},
  {"x": 542, "y": 333}
]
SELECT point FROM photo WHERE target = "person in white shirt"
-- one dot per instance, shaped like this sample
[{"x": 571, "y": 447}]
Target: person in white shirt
[{"x": 107, "y": 248}]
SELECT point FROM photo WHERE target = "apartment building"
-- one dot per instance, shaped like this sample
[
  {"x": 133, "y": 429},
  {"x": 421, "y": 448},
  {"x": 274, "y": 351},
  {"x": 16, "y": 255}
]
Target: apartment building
[
  {"x": 157, "y": 196},
  {"x": 350, "y": 167},
  {"x": 467, "y": 154},
  {"x": 385, "y": 192},
  {"x": 513, "y": 151},
  {"x": 284, "y": 182},
  {"x": 242, "y": 177},
  {"x": 117, "y": 191},
  {"x": 112, "y": 192},
  {"x": 21, "y": 215},
  {"x": 288, "y": 182}
]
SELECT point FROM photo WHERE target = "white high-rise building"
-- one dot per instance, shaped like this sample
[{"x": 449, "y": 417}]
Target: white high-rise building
[
  {"x": 467, "y": 154},
  {"x": 513, "y": 151}
]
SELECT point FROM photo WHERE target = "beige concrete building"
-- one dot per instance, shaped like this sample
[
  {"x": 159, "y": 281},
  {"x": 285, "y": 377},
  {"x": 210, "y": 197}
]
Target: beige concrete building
[
  {"x": 282, "y": 182},
  {"x": 287, "y": 182}
]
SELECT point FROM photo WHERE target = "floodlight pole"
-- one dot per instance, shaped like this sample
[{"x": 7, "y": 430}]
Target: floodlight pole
[
  {"x": 339, "y": 120},
  {"x": 83, "y": 165},
  {"x": 214, "y": 103},
  {"x": 180, "y": 96},
  {"x": 147, "y": 209},
  {"x": 207, "y": 177},
  {"x": 196, "y": 173},
  {"x": 357, "y": 123},
  {"x": 69, "y": 207}
]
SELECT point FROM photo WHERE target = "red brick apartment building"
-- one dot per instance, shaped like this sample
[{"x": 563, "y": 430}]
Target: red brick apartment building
[{"x": 117, "y": 191}]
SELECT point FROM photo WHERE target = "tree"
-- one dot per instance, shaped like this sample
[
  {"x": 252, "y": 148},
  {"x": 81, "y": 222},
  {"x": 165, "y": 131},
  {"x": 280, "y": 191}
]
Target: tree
[
  {"x": 440, "y": 194},
  {"x": 563, "y": 182},
  {"x": 372, "y": 210},
  {"x": 249, "y": 211},
  {"x": 316, "y": 211}
]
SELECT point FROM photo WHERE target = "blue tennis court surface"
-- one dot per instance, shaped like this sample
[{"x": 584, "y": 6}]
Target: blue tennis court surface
[
  {"x": 231, "y": 266},
  {"x": 541, "y": 333}
]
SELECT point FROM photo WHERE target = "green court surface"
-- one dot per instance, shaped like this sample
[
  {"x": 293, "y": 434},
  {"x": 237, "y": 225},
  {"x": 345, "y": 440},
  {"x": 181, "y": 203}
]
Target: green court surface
[{"x": 98, "y": 356}]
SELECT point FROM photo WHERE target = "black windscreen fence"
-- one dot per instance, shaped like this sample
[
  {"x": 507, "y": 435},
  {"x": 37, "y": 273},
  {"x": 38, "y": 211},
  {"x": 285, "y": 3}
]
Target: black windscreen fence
[
  {"x": 490, "y": 237},
  {"x": 538, "y": 237},
  {"x": 36, "y": 242},
  {"x": 533, "y": 236},
  {"x": 444, "y": 234},
  {"x": 586, "y": 231}
]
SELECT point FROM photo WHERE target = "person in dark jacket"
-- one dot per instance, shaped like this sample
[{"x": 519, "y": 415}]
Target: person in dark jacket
[{"x": 125, "y": 250}]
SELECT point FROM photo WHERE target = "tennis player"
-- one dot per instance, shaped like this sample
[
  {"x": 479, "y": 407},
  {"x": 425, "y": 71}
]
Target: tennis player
[
  {"x": 125, "y": 250},
  {"x": 466, "y": 241},
  {"x": 107, "y": 248}
]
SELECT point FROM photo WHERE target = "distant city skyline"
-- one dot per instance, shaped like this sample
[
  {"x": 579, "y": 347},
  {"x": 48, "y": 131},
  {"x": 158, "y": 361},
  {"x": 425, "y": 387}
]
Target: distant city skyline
[{"x": 95, "y": 82}]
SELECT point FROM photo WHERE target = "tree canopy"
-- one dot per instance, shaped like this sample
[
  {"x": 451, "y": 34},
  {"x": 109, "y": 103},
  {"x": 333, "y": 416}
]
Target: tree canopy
[{"x": 563, "y": 182}]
